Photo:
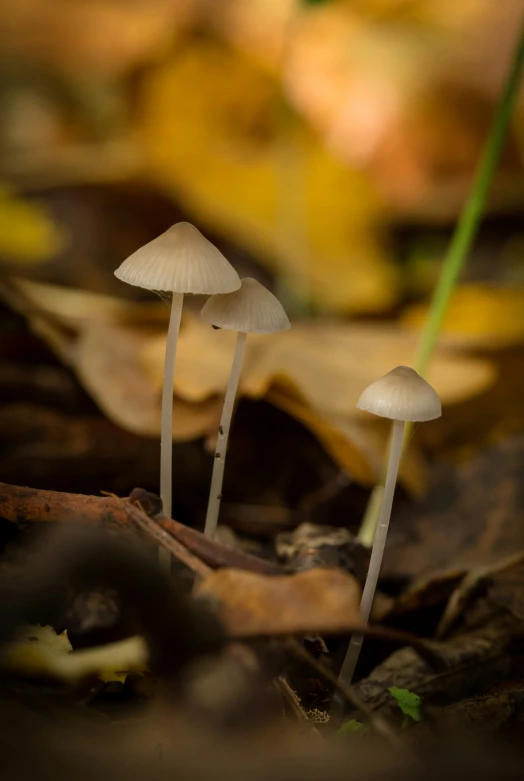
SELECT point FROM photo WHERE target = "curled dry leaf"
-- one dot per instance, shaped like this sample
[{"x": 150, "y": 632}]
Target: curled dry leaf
[
  {"x": 329, "y": 363},
  {"x": 107, "y": 367},
  {"x": 315, "y": 372},
  {"x": 318, "y": 600},
  {"x": 100, "y": 338},
  {"x": 72, "y": 308}
]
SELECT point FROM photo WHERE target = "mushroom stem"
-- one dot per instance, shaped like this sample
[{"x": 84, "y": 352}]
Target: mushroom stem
[
  {"x": 217, "y": 479},
  {"x": 377, "y": 552},
  {"x": 166, "y": 433}
]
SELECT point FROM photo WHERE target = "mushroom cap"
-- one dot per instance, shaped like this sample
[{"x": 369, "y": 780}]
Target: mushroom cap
[
  {"x": 401, "y": 394},
  {"x": 180, "y": 260},
  {"x": 251, "y": 309}
]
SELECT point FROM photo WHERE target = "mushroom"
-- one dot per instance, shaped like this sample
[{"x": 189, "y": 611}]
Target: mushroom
[
  {"x": 401, "y": 395},
  {"x": 178, "y": 261},
  {"x": 251, "y": 309}
]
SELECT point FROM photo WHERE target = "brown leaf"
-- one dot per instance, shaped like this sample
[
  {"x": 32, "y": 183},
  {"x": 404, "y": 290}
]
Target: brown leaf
[
  {"x": 471, "y": 661},
  {"x": 107, "y": 367},
  {"x": 472, "y": 516},
  {"x": 318, "y": 600},
  {"x": 315, "y": 372}
]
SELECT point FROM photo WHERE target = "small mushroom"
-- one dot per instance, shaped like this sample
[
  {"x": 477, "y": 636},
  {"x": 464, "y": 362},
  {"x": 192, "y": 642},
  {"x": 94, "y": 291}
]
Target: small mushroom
[
  {"x": 401, "y": 395},
  {"x": 179, "y": 261},
  {"x": 251, "y": 309}
]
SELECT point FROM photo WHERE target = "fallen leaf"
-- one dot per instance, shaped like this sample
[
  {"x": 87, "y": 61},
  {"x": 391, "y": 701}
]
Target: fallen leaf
[
  {"x": 471, "y": 517},
  {"x": 73, "y": 308},
  {"x": 471, "y": 662},
  {"x": 315, "y": 372},
  {"x": 40, "y": 651},
  {"x": 210, "y": 130},
  {"x": 318, "y": 600},
  {"x": 478, "y": 315},
  {"x": 329, "y": 363},
  {"x": 488, "y": 713},
  {"x": 27, "y": 232},
  {"x": 339, "y": 438},
  {"x": 107, "y": 366}
]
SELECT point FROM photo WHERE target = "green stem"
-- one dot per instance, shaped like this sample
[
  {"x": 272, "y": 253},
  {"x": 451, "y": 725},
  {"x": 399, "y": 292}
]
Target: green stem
[
  {"x": 464, "y": 234},
  {"x": 471, "y": 214}
]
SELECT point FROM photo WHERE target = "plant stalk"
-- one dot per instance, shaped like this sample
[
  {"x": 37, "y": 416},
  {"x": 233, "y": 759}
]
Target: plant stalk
[
  {"x": 217, "y": 479},
  {"x": 471, "y": 214}
]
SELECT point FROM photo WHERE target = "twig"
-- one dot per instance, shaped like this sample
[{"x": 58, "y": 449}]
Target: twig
[
  {"x": 292, "y": 701},
  {"x": 163, "y": 539},
  {"x": 376, "y": 721},
  {"x": 30, "y": 505}
]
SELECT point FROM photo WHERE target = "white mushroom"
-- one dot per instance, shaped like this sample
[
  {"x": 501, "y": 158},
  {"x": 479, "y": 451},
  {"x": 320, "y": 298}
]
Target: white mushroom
[
  {"x": 251, "y": 309},
  {"x": 401, "y": 395},
  {"x": 179, "y": 261}
]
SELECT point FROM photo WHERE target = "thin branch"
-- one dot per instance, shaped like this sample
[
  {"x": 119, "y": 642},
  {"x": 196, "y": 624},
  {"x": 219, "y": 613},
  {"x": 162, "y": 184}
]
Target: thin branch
[
  {"x": 30, "y": 505},
  {"x": 375, "y": 720}
]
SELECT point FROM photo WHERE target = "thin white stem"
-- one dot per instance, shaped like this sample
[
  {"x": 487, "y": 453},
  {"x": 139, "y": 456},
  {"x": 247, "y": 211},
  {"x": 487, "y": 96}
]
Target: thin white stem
[
  {"x": 166, "y": 432},
  {"x": 217, "y": 478},
  {"x": 377, "y": 552}
]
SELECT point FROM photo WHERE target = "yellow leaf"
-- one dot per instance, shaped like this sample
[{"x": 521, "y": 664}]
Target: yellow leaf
[
  {"x": 39, "y": 651},
  {"x": 478, "y": 315},
  {"x": 209, "y": 130},
  {"x": 27, "y": 232}
]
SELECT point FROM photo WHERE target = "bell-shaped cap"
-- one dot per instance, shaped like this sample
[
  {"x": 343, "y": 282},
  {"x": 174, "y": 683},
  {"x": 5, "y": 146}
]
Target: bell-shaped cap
[
  {"x": 401, "y": 394},
  {"x": 180, "y": 260},
  {"x": 251, "y": 309}
]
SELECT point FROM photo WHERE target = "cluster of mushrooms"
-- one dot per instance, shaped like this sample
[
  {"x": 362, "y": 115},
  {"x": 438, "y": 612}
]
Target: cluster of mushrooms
[{"x": 182, "y": 261}]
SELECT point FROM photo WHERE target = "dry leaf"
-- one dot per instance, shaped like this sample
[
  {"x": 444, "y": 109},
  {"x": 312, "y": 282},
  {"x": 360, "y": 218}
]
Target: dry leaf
[
  {"x": 107, "y": 366},
  {"x": 319, "y": 600},
  {"x": 338, "y": 438},
  {"x": 99, "y": 337},
  {"x": 329, "y": 363},
  {"x": 478, "y": 315},
  {"x": 73, "y": 308},
  {"x": 314, "y": 372},
  {"x": 203, "y": 361},
  {"x": 472, "y": 516}
]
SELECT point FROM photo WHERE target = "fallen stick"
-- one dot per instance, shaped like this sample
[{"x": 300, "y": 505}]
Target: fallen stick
[{"x": 24, "y": 505}]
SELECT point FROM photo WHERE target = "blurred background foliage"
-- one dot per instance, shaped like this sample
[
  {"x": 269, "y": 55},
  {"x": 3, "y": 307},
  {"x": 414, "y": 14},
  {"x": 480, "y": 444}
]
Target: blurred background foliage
[
  {"x": 325, "y": 146},
  {"x": 311, "y": 134}
]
